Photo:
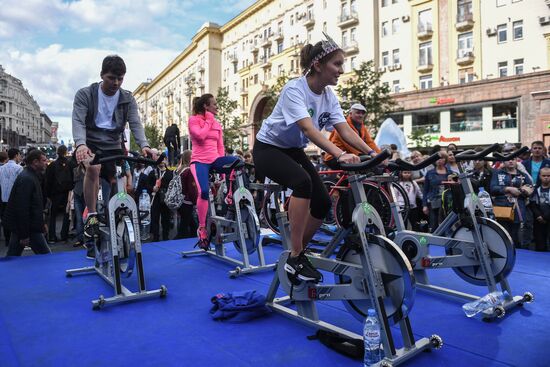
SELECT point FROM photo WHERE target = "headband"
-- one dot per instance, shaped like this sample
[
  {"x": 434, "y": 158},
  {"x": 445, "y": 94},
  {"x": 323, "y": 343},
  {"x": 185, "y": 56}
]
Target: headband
[{"x": 329, "y": 46}]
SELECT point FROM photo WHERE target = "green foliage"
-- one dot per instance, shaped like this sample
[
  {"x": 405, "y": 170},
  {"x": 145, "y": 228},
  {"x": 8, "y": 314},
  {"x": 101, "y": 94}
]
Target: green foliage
[
  {"x": 153, "y": 135},
  {"x": 233, "y": 126},
  {"x": 420, "y": 137},
  {"x": 365, "y": 88}
]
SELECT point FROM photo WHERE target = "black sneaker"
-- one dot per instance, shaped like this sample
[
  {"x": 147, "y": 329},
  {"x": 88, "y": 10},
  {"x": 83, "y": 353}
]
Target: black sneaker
[
  {"x": 91, "y": 227},
  {"x": 299, "y": 268}
]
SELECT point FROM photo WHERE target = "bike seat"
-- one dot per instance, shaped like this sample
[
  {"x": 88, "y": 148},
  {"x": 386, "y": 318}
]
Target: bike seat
[{"x": 229, "y": 167}]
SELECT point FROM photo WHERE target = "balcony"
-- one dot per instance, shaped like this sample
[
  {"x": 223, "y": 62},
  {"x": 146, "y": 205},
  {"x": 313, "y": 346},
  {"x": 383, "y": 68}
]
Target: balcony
[
  {"x": 267, "y": 41},
  {"x": 264, "y": 62},
  {"x": 425, "y": 31},
  {"x": 200, "y": 68},
  {"x": 464, "y": 22},
  {"x": 465, "y": 57},
  {"x": 309, "y": 20},
  {"x": 233, "y": 58},
  {"x": 244, "y": 91},
  {"x": 351, "y": 48},
  {"x": 254, "y": 49},
  {"x": 425, "y": 67},
  {"x": 348, "y": 19},
  {"x": 278, "y": 36}
]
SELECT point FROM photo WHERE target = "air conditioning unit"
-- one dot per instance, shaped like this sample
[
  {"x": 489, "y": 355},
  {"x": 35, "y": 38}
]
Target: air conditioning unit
[
  {"x": 405, "y": 18},
  {"x": 381, "y": 69},
  {"x": 396, "y": 66},
  {"x": 544, "y": 20},
  {"x": 491, "y": 32}
]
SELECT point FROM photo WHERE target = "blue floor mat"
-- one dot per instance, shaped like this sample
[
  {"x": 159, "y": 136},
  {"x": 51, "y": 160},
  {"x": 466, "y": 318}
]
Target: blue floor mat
[{"x": 46, "y": 319}]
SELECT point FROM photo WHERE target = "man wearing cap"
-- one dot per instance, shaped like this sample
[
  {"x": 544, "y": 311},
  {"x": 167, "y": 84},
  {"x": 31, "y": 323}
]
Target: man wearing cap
[{"x": 355, "y": 121}]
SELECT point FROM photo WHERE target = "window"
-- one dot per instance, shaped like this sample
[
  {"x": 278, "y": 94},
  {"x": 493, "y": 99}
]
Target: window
[
  {"x": 292, "y": 19},
  {"x": 352, "y": 33},
  {"x": 324, "y": 4},
  {"x": 426, "y": 82},
  {"x": 466, "y": 119},
  {"x": 505, "y": 115},
  {"x": 428, "y": 121},
  {"x": 517, "y": 30},
  {"x": 385, "y": 3},
  {"x": 466, "y": 75},
  {"x": 353, "y": 6},
  {"x": 503, "y": 68},
  {"x": 465, "y": 44},
  {"x": 518, "y": 66},
  {"x": 394, "y": 1},
  {"x": 395, "y": 86},
  {"x": 279, "y": 47},
  {"x": 385, "y": 30},
  {"x": 344, "y": 10},
  {"x": 385, "y": 58},
  {"x": 501, "y": 2},
  {"x": 325, "y": 27},
  {"x": 344, "y": 39},
  {"x": 235, "y": 70},
  {"x": 425, "y": 54},
  {"x": 353, "y": 62},
  {"x": 502, "y": 33},
  {"x": 395, "y": 25},
  {"x": 425, "y": 21},
  {"x": 464, "y": 10},
  {"x": 280, "y": 70},
  {"x": 395, "y": 56}
]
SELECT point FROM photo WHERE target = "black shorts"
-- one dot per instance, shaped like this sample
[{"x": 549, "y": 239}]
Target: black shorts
[
  {"x": 108, "y": 170},
  {"x": 292, "y": 168}
]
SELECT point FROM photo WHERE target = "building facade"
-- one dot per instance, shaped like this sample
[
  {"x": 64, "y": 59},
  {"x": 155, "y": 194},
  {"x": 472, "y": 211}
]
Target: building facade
[
  {"x": 20, "y": 117},
  {"x": 419, "y": 46}
]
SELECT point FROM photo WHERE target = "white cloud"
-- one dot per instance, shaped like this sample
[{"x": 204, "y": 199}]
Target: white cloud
[{"x": 54, "y": 74}]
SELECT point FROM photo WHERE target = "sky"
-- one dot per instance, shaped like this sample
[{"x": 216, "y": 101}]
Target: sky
[{"x": 56, "y": 47}]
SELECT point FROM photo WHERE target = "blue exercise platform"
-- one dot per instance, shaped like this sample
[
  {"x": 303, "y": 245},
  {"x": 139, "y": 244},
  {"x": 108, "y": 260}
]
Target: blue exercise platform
[{"x": 46, "y": 319}]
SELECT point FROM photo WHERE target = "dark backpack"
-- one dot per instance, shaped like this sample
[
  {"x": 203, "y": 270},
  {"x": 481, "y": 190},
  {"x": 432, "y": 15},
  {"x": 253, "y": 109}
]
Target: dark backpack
[
  {"x": 63, "y": 175},
  {"x": 353, "y": 348}
]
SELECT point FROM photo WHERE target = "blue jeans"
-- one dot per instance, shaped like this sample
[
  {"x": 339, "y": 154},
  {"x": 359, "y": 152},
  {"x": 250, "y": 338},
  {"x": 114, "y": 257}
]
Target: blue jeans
[
  {"x": 37, "y": 243},
  {"x": 79, "y": 206}
]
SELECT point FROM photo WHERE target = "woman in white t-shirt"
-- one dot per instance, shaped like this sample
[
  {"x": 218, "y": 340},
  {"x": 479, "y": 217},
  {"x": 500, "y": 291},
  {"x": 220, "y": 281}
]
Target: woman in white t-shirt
[{"x": 306, "y": 106}]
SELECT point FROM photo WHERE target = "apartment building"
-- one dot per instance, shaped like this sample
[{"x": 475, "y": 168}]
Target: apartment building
[
  {"x": 424, "y": 48},
  {"x": 20, "y": 117}
]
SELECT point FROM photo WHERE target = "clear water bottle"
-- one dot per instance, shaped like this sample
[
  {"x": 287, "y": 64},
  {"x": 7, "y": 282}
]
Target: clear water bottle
[
  {"x": 145, "y": 214},
  {"x": 485, "y": 199},
  {"x": 371, "y": 338},
  {"x": 485, "y": 303}
]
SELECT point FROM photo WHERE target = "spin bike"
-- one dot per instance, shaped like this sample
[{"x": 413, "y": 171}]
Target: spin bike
[
  {"x": 477, "y": 248},
  {"x": 370, "y": 271},
  {"x": 240, "y": 225},
  {"x": 118, "y": 246}
]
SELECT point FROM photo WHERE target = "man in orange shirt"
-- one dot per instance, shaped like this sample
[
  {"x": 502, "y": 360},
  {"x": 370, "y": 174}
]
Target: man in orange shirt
[{"x": 355, "y": 120}]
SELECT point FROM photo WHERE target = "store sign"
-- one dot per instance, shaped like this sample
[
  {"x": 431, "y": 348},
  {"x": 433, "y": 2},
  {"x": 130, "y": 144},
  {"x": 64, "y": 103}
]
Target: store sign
[
  {"x": 438, "y": 101},
  {"x": 443, "y": 139}
]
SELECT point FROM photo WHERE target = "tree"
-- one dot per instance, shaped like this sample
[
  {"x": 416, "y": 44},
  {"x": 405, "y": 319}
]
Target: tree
[
  {"x": 153, "y": 135},
  {"x": 233, "y": 126},
  {"x": 365, "y": 88},
  {"x": 420, "y": 137}
]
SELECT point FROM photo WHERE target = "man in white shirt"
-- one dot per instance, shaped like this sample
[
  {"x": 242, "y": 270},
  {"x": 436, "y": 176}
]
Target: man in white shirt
[{"x": 8, "y": 174}]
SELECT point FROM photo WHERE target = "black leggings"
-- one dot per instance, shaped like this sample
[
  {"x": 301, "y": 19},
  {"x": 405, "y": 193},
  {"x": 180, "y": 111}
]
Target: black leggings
[{"x": 291, "y": 168}]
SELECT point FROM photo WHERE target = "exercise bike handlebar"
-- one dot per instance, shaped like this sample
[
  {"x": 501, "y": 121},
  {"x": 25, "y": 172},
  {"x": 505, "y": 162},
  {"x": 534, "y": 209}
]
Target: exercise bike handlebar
[
  {"x": 401, "y": 165},
  {"x": 133, "y": 158},
  {"x": 470, "y": 155},
  {"x": 499, "y": 157},
  {"x": 367, "y": 164}
]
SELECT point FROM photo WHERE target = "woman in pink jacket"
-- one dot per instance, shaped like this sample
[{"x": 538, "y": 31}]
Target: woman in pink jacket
[{"x": 208, "y": 153}]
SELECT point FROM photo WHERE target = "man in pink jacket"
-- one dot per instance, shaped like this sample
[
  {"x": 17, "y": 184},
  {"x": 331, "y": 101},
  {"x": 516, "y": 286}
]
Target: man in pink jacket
[{"x": 208, "y": 153}]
